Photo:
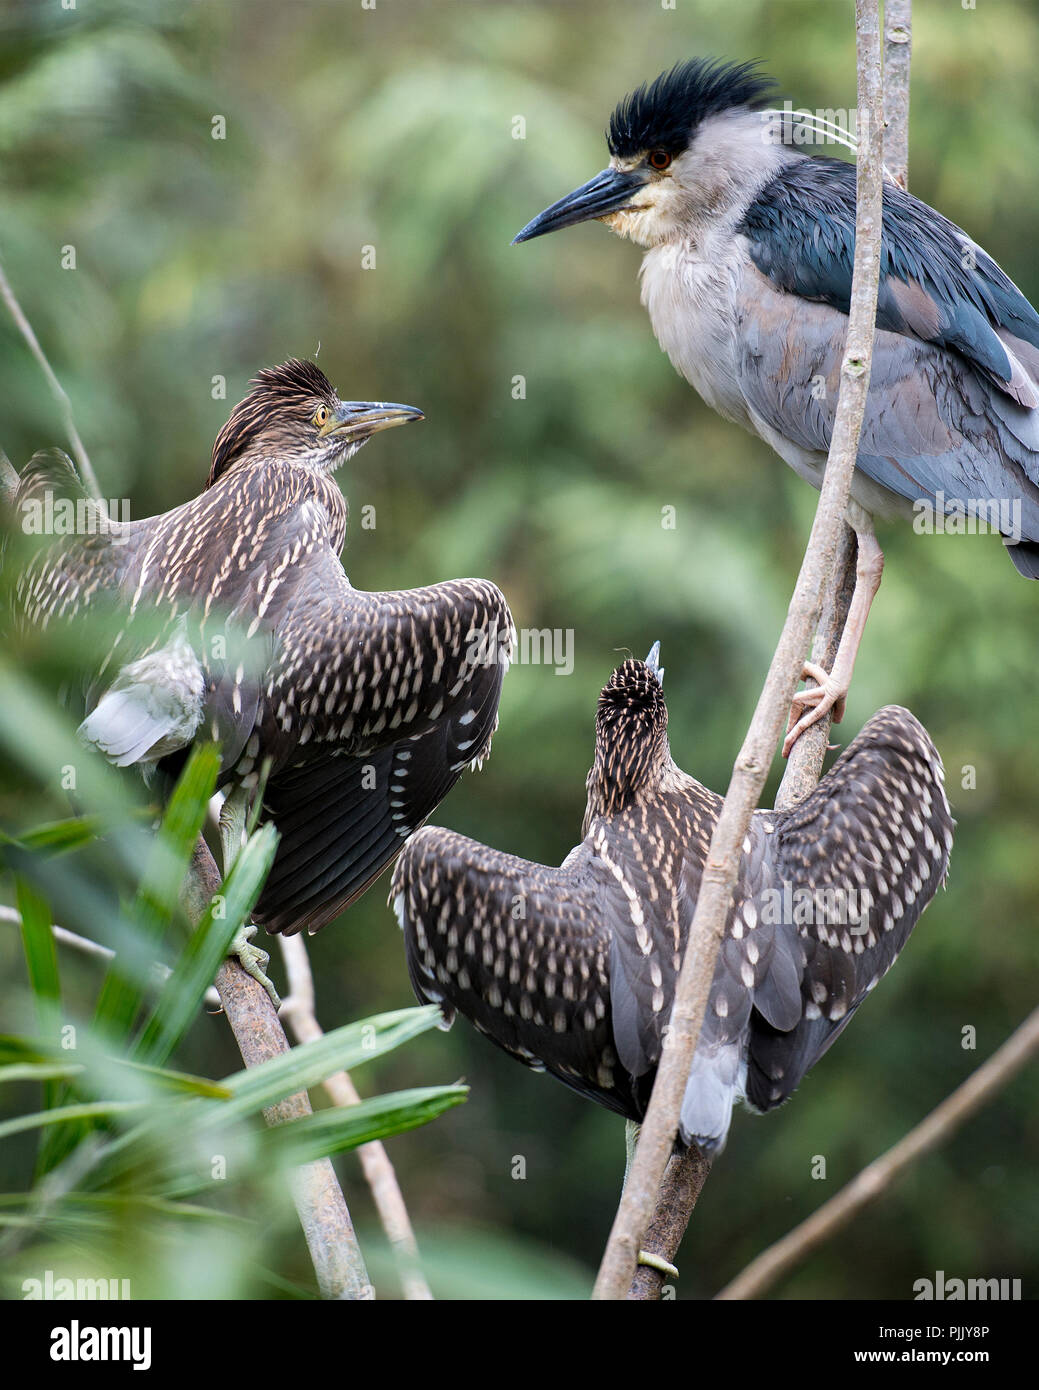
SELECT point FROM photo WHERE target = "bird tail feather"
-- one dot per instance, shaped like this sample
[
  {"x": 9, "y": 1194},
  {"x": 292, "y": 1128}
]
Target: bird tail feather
[
  {"x": 716, "y": 1080},
  {"x": 123, "y": 728},
  {"x": 154, "y": 707}
]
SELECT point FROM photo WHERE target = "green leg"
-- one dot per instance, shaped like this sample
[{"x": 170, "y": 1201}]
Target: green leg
[
  {"x": 631, "y": 1139},
  {"x": 254, "y": 961}
]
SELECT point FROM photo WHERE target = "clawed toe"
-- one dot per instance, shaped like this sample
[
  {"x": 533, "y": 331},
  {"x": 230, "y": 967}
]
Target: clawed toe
[
  {"x": 807, "y": 707},
  {"x": 253, "y": 960}
]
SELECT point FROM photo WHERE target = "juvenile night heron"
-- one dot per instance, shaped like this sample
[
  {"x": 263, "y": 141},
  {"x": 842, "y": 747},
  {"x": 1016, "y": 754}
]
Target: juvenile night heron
[
  {"x": 353, "y": 713},
  {"x": 747, "y": 279},
  {"x": 572, "y": 970}
]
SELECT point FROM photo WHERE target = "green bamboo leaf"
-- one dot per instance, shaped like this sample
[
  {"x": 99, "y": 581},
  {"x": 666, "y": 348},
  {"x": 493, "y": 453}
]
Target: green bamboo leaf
[
  {"x": 40, "y": 1071},
  {"x": 63, "y": 1113},
  {"x": 123, "y": 990},
  {"x": 14, "y": 1048},
  {"x": 256, "y": 1088},
  {"x": 178, "y": 1081},
  {"x": 181, "y": 824},
  {"x": 18, "y": 1053},
  {"x": 336, "y": 1130},
  {"x": 346, "y": 1127},
  {"x": 193, "y": 973},
  {"x": 39, "y": 736},
  {"x": 41, "y": 955},
  {"x": 157, "y": 901},
  {"x": 183, "y": 1211},
  {"x": 60, "y": 836},
  {"x": 41, "y": 959},
  {"x": 91, "y": 1208}
]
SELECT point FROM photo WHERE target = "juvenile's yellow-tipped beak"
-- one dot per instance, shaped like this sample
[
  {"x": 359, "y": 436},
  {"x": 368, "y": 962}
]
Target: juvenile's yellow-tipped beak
[{"x": 361, "y": 419}]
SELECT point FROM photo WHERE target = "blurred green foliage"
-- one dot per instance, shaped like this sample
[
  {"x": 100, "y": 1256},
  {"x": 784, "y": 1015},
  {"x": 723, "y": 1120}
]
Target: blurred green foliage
[{"x": 393, "y": 128}]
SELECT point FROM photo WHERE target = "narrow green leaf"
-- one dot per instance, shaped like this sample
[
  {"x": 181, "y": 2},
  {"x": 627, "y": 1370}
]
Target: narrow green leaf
[
  {"x": 158, "y": 896},
  {"x": 193, "y": 973},
  {"x": 19, "y": 1054},
  {"x": 346, "y": 1127},
  {"x": 63, "y": 1113},
  {"x": 335, "y": 1130},
  {"x": 256, "y": 1088},
  {"x": 179, "y": 1081},
  {"x": 40, "y": 1071},
  {"x": 60, "y": 836},
  {"x": 181, "y": 1210},
  {"x": 38, "y": 736},
  {"x": 41, "y": 959},
  {"x": 122, "y": 1202},
  {"x": 15, "y": 1048},
  {"x": 41, "y": 956}
]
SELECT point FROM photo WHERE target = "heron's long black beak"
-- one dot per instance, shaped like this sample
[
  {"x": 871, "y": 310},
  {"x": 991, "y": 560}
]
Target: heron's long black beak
[
  {"x": 610, "y": 191},
  {"x": 365, "y": 418}
]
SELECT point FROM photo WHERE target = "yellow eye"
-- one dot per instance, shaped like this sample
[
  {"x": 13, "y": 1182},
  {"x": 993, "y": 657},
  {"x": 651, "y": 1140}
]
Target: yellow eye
[
  {"x": 658, "y": 159},
  {"x": 321, "y": 418}
]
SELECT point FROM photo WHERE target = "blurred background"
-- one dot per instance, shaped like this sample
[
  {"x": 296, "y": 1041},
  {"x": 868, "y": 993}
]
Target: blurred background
[{"x": 360, "y": 207}]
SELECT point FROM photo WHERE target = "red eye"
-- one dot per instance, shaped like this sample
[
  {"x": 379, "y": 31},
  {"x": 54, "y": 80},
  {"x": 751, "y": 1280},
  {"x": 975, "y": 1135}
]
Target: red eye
[{"x": 658, "y": 159}]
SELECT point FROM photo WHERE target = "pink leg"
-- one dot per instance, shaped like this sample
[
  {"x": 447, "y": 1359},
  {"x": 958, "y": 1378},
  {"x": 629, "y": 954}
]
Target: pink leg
[{"x": 830, "y": 690}]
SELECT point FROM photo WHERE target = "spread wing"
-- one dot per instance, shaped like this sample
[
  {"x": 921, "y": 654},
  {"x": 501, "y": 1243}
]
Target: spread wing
[
  {"x": 572, "y": 970},
  {"x": 518, "y": 948},
  {"x": 164, "y": 621},
  {"x": 376, "y": 704},
  {"x": 663, "y": 848},
  {"x": 93, "y": 555},
  {"x": 865, "y": 852},
  {"x": 827, "y": 897}
]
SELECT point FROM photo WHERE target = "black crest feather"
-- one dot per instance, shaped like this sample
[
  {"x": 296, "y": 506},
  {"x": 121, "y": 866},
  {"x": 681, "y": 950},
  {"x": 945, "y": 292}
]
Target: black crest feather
[
  {"x": 661, "y": 115},
  {"x": 633, "y": 688},
  {"x": 630, "y": 738},
  {"x": 278, "y": 393}
]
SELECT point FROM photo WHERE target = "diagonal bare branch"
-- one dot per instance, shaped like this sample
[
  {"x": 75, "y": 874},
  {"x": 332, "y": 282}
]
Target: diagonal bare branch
[
  {"x": 327, "y": 1228},
  {"x": 299, "y": 1012},
  {"x": 719, "y": 879},
  {"x": 979, "y": 1088},
  {"x": 25, "y": 328}
]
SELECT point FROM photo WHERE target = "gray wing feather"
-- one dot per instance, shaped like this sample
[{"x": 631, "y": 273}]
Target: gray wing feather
[
  {"x": 871, "y": 845},
  {"x": 933, "y": 423}
]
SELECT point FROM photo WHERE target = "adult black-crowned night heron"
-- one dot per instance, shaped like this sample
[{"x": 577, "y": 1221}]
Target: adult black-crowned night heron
[
  {"x": 747, "y": 279},
  {"x": 354, "y": 712},
  {"x": 572, "y": 969}
]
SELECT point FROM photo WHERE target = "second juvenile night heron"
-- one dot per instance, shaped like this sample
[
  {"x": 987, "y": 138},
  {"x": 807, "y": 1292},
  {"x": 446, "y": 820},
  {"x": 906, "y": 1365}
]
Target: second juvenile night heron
[
  {"x": 351, "y": 713},
  {"x": 572, "y": 970},
  {"x": 747, "y": 278}
]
